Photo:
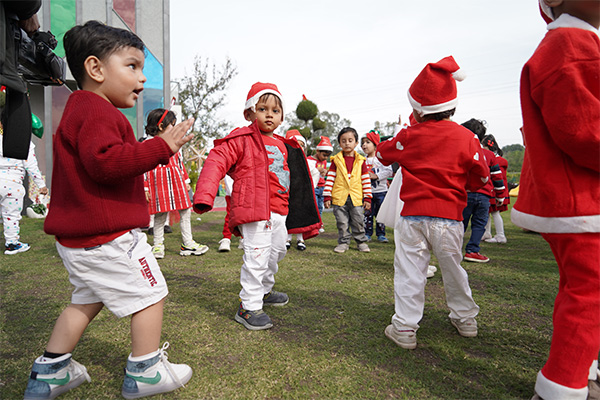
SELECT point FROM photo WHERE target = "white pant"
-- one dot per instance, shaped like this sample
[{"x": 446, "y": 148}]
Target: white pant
[
  {"x": 415, "y": 237},
  {"x": 498, "y": 223},
  {"x": 264, "y": 248},
  {"x": 11, "y": 204},
  {"x": 185, "y": 224}
]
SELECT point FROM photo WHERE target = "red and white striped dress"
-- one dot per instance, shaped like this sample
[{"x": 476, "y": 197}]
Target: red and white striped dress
[{"x": 167, "y": 186}]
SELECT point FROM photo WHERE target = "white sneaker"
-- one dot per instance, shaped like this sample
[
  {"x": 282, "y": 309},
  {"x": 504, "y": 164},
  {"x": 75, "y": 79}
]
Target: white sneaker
[
  {"x": 468, "y": 328},
  {"x": 406, "y": 339},
  {"x": 321, "y": 230},
  {"x": 159, "y": 251},
  {"x": 52, "y": 377},
  {"x": 194, "y": 249},
  {"x": 431, "y": 270},
  {"x": 224, "y": 245},
  {"x": 497, "y": 239},
  {"x": 154, "y": 375}
]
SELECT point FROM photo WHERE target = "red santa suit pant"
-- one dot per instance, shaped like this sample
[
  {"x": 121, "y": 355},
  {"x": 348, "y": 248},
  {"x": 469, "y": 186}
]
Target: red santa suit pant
[{"x": 576, "y": 318}]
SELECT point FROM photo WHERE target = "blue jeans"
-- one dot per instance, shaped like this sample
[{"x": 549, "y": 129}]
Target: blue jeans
[
  {"x": 477, "y": 210},
  {"x": 375, "y": 205},
  {"x": 319, "y": 195}
]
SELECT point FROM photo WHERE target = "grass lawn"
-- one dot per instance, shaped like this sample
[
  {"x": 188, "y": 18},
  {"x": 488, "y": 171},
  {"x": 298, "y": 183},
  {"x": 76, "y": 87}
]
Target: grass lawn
[{"x": 327, "y": 343}]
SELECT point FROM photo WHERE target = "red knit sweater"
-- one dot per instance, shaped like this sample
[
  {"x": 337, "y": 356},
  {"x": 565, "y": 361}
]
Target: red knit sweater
[
  {"x": 97, "y": 184},
  {"x": 440, "y": 160}
]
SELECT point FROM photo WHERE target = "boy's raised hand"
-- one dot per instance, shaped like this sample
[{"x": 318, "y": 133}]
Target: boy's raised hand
[{"x": 176, "y": 136}]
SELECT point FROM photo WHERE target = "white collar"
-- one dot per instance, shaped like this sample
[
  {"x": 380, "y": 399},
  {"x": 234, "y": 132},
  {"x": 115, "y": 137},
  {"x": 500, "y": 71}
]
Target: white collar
[{"x": 569, "y": 21}]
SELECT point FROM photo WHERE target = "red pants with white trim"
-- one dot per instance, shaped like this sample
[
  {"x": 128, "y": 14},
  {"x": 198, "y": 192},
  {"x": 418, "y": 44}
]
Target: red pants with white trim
[{"x": 576, "y": 318}]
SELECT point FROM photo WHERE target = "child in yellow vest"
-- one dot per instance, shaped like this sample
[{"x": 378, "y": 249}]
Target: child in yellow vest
[{"x": 348, "y": 190}]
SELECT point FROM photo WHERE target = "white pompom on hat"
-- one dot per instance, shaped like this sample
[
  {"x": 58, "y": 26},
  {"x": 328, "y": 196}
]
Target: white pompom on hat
[
  {"x": 434, "y": 89},
  {"x": 257, "y": 90},
  {"x": 325, "y": 144}
]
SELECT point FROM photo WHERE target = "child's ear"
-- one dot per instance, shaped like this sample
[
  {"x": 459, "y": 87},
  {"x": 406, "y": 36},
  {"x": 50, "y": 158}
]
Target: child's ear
[
  {"x": 553, "y": 3},
  {"x": 93, "y": 69},
  {"x": 249, "y": 115}
]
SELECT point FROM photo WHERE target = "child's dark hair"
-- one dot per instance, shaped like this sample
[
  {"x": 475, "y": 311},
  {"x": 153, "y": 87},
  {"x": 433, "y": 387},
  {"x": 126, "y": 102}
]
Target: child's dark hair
[
  {"x": 95, "y": 39},
  {"x": 439, "y": 116},
  {"x": 476, "y": 126},
  {"x": 153, "y": 121},
  {"x": 492, "y": 144},
  {"x": 345, "y": 130}
]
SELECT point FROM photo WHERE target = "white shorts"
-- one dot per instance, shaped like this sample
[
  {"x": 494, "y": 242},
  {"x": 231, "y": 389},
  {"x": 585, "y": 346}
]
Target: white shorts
[{"x": 122, "y": 274}]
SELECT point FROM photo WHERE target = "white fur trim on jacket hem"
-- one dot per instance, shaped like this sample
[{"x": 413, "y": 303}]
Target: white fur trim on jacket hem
[
  {"x": 549, "y": 390},
  {"x": 577, "y": 224}
]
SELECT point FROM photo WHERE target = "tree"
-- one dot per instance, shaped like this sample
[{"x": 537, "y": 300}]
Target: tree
[
  {"x": 514, "y": 153},
  {"x": 313, "y": 124},
  {"x": 202, "y": 94}
]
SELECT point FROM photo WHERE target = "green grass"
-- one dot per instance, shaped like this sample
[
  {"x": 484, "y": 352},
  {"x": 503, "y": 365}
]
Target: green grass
[{"x": 327, "y": 343}]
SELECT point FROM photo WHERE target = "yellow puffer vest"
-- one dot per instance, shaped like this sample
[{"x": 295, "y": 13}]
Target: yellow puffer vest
[{"x": 342, "y": 186}]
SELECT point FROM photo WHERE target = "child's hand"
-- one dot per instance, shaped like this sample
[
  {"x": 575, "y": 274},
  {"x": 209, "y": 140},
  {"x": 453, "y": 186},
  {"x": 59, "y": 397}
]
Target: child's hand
[
  {"x": 44, "y": 190},
  {"x": 147, "y": 197},
  {"x": 373, "y": 175},
  {"x": 367, "y": 205},
  {"x": 327, "y": 203},
  {"x": 176, "y": 136}
]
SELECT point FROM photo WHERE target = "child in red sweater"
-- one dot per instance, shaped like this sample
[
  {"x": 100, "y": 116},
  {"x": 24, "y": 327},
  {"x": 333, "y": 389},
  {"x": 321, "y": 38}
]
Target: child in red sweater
[
  {"x": 560, "y": 189},
  {"x": 97, "y": 209},
  {"x": 434, "y": 183}
]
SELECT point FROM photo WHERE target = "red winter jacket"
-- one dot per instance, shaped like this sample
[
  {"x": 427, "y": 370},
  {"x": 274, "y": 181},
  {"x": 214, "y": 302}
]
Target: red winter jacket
[{"x": 243, "y": 157}]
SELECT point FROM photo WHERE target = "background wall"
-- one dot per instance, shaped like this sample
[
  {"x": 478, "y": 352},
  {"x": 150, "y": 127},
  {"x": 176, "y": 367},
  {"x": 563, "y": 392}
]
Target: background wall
[{"x": 149, "y": 19}]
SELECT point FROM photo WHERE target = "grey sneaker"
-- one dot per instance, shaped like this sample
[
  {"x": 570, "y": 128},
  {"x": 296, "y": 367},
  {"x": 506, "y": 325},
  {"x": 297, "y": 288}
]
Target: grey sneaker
[
  {"x": 253, "y": 320},
  {"x": 468, "y": 328},
  {"x": 275, "y": 298},
  {"x": 364, "y": 247},
  {"x": 51, "y": 378},
  {"x": 407, "y": 339},
  {"x": 341, "y": 248},
  {"x": 154, "y": 375}
]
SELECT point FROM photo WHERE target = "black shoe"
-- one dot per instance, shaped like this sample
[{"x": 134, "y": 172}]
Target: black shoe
[
  {"x": 150, "y": 231},
  {"x": 253, "y": 320},
  {"x": 275, "y": 298},
  {"x": 168, "y": 229},
  {"x": 300, "y": 245}
]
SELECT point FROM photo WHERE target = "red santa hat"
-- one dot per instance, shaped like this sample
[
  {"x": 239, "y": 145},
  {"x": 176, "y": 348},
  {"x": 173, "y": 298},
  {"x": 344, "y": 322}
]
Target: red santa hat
[
  {"x": 295, "y": 134},
  {"x": 546, "y": 12},
  {"x": 325, "y": 144},
  {"x": 373, "y": 136},
  {"x": 434, "y": 90},
  {"x": 257, "y": 90}
]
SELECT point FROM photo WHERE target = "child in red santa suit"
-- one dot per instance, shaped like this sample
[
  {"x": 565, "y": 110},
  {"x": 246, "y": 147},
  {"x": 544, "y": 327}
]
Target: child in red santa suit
[{"x": 560, "y": 189}]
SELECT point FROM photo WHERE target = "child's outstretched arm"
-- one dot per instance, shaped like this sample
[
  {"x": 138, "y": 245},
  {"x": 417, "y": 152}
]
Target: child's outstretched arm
[{"x": 176, "y": 136}]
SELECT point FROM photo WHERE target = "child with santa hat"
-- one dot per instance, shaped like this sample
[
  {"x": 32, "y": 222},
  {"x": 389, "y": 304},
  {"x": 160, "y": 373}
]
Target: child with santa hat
[
  {"x": 379, "y": 175},
  {"x": 434, "y": 183},
  {"x": 560, "y": 189},
  {"x": 271, "y": 196}
]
